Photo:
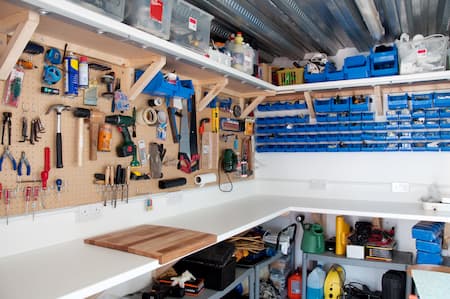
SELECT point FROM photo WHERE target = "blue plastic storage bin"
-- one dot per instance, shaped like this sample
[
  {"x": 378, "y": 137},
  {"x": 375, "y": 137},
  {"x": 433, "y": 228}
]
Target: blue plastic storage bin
[
  {"x": 343, "y": 116},
  {"x": 310, "y": 78},
  {"x": 432, "y": 147},
  {"x": 332, "y": 117},
  {"x": 405, "y": 147},
  {"x": 427, "y": 230},
  {"x": 418, "y": 113},
  {"x": 354, "y": 127},
  {"x": 444, "y": 113},
  {"x": 405, "y": 136},
  {"x": 384, "y": 61},
  {"x": 430, "y": 247},
  {"x": 360, "y": 103},
  {"x": 422, "y": 101},
  {"x": 432, "y": 136},
  {"x": 430, "y": 114},
  {"x": 332, "y": 74},
  {"x": 397, "y": 101},
  {"x": 419, "y": 147},
  {"x": 441, "y": 99},
  {"x": 404, "y": 125},
  {"x": 392, "y": 125},
  {"x": 390, "y": 136},
  {"x": 340, "y": 104},
  {"x": 355, "y": 116},
  {"x": 185, "y": 89},
  {"x": 444, "y": 123},
  {"x": 445, "y": 135},
  {"x": 429, "y": 258},
  {"x": 418, "y": 136},
  {"x": 356, "y": 67},
  {"x": 321, "y": 118},
  {"x": 158, "y": 86},
  {"x": 391, "y": 115},
  {"x": 404, "y": 114},
  {"x": 368, "y": 116},
  {"x": 432, "y": 124},
  {"x": 391, "y": 147},
  {"x": 380, "y": 126},
  {"x": 322, "y": 105}
]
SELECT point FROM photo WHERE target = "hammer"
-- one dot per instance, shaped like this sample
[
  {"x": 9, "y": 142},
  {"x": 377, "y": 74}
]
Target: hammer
[
  {"x": 59, "y": 108},
  {"x": 81, "y": 114}
]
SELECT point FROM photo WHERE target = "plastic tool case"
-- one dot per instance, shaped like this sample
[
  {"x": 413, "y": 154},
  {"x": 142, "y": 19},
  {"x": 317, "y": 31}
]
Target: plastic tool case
[{"x": 215, "y": 264}]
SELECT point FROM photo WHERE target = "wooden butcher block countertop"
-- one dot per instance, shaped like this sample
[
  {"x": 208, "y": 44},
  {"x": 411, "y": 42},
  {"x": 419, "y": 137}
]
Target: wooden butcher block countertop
[{"x": 160, "y": 242}]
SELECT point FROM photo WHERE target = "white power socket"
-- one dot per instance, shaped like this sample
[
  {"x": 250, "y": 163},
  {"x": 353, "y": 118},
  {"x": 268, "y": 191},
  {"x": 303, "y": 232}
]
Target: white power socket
[
  {"x": 89, "y": 212},
  {"x": 400, "y": 187}
]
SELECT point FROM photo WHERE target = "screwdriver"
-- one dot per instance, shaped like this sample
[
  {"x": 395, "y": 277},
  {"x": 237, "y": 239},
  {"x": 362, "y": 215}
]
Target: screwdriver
[
  {"x": 107, "y": 189},
  {"x": 1, "y": 192},
  {"x": 111, "y": 183},
  {"x": 27, "y": 198},
  {"x": 7, "y": 204},
  {"x": 127, "y": 178},
  {"x": 35, "y": 199}
]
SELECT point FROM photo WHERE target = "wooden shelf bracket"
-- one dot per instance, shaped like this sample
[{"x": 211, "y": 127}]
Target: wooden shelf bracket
[
  {"x": 23, "y": 25},
  {"x": 157, "y": 63},
  {"x": 219, "y": 85},
  {"x": 258, "y": 98}
]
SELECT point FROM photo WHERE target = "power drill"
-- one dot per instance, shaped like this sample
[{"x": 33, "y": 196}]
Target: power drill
[{"x": 127, "y": 148}]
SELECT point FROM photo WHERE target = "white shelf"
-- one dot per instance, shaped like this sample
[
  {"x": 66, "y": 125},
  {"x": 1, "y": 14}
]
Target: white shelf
[{"x": 367, "y": 82}]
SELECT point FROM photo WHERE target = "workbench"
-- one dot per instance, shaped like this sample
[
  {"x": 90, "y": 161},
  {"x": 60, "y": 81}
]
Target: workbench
[{"x": 75, "y": 270}]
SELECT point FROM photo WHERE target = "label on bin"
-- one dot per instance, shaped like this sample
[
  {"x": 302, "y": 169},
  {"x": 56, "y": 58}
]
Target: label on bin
[
  {"x": 193, "y": 23},
  {"x": 156, "y": 10},
  {"x": 421, "y": 52}
]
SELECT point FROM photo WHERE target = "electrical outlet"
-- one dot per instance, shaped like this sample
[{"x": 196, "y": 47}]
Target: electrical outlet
[
  {"x": 318, "y": 184},
  {"x": 89, "y": 212},
  {"x": 400, "y": 187}
]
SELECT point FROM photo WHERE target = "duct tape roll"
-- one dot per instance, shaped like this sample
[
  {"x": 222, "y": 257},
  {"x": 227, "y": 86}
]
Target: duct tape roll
[
  {"x": 155, "y": 102},
  {"x": 147, "y": 116},
  {"x": 206, "y": 178}
]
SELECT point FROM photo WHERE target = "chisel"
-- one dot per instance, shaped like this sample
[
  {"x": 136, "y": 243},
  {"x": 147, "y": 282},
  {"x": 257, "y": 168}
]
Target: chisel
[
  {"x": 106, "y": 195},
  {"x": 111, "y": 183},
  {"x": 127, "y": 179}
]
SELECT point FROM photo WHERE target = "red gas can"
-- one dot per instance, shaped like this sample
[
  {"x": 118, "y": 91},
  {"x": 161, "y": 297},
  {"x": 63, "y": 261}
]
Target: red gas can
[{"x": 295, "y": 285}]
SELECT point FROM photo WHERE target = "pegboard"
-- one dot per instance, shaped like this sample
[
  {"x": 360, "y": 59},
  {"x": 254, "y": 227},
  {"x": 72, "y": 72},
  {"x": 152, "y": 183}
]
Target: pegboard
[{"x": 78, "y": 182}]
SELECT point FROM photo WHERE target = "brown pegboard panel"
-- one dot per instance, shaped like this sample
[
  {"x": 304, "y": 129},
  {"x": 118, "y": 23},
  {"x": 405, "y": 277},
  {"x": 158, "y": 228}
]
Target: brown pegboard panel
[{"x": 78, "y": 182}]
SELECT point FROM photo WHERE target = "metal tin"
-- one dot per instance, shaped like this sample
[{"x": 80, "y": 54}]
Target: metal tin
[
  {"x": 104, "y": 138},
  {"x": 83, "y": 73},
  {"x": 71, "y": 76}
]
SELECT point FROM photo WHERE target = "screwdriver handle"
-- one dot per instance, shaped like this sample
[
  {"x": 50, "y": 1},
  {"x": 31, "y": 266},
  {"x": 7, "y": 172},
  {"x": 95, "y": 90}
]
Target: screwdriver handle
[
  {"x": 128, "y": 175},
  {"x": 47, "y": 159},
  {"x": 27, "y": 193},
  {"x": 107, "y": 174},
  {"x": 111, "y": 175}
]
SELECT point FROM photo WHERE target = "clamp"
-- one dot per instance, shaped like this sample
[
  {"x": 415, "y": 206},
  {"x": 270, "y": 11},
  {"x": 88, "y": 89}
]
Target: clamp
[
  {"x": 8, "y": 154},
  {"x": 23, "y": 160}
]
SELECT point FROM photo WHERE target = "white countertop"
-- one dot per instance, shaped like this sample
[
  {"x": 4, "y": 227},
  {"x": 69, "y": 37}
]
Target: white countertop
[{"x": 75, "y": 270}]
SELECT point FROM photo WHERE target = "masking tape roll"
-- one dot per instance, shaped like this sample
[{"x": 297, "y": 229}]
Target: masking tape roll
[
  {"x": 147, "y": 116},
  {"x": 206, "y": 178}
]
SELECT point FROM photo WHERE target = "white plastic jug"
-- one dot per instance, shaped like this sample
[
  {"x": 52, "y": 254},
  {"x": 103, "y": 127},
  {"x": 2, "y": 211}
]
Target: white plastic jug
[{"x": 314, "y": 284}]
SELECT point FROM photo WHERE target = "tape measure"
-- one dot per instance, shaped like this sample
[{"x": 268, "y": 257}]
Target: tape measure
[
  {"x": 53, "y": 56},
  {"x": 51, "y": 75}
]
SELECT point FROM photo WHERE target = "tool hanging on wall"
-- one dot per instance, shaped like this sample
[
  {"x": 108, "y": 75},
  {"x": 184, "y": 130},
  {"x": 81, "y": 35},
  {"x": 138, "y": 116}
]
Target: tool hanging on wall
[
  {"x": 157, "y": 153},
  {"x": 81, "y": 114},
  {"x": 194, "y": 164},
  {"x": 108, "y": 80},
  {"x": 6, "y": 124},
  {"x": 13, "y": 86},
  {"x": 184, "y": 152},
  {"x": 214, "y": 116},
  {"x": 24, "y": 129},
  {"x": 51, "y": 75},
  {"x": 23, "y": 162},
  {"x": 127, "y": 148},
  {"x": 120, "y": 100},
  {"x": 7, "y": 202},
  {"x": 53, "y": 56},
  {"x": 58, "y": 108},
  {"x": 27, "y": 198},
  {"x": 7, "y": 154}
]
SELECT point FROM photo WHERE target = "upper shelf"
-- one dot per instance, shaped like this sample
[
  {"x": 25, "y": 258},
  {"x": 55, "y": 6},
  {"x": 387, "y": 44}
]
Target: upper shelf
[{"x": 68, "y": 20}]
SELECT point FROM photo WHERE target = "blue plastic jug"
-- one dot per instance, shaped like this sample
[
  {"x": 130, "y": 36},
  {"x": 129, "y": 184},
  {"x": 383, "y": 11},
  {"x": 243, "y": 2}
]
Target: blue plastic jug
[{"x": 314, "y": 284}]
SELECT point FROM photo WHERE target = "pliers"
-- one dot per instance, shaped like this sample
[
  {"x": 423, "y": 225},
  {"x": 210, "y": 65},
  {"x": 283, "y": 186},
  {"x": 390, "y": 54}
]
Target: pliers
[
  {"x": 8, "y": 154},
  {"x": 23, "y": 160}
]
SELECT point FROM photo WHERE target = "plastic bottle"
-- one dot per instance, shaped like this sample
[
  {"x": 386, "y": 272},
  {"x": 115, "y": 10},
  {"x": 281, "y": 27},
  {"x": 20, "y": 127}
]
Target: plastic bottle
[
  {"x": 295, "y": 285},
  {"x": 249, "y": 59},
  {"x": 83, "y": 77},
  {"x": 238, "y": 52},
  {"x": 314, "y": 283}
]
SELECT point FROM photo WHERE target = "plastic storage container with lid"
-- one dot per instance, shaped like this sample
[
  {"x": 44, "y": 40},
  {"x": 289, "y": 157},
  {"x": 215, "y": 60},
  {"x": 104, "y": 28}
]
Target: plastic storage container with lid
[
  {"x": 190, "y": 26},
  {"x": 111, "y": 8},
  {"x": 150, "y": 16}
]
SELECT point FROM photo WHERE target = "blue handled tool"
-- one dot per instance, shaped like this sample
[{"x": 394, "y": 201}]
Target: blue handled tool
[
  {"x": 23, "y": 160},
  {"x": 8, "y": 154}
]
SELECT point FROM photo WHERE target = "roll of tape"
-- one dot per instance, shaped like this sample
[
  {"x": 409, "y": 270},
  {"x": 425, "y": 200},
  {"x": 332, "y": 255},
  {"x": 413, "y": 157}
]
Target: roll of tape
[
  {"x": 155, "y": 102},
  {"x": 147, "y": 116}
]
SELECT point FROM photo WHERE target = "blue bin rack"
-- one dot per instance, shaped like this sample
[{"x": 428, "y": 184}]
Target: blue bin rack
[
  {"x": 441, "y": 99},
  {"x": 422, "y": 101},
  {"x": 397, "y": 101},
  {"x": 158, "y": 86},
  {"x": 356, "y": 67},
  {"x": 384, "y": 61}
]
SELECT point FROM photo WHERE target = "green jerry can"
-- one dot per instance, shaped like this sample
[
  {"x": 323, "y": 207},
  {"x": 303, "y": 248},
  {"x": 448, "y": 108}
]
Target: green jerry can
[{"x": 313, "y": 240}]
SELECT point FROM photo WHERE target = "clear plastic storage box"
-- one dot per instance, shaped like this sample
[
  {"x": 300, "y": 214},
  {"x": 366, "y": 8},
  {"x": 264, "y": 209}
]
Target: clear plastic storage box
[
  {"x": 190, "y": 26},
  {"x": 150, "y": 17},
  {"x": 422, "y": 55},
  {"x": 111, "y": 8}
]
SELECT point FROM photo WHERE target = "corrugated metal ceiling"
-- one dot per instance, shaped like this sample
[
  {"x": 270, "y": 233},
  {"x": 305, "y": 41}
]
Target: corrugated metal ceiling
[{"x": 292, "y": 28}]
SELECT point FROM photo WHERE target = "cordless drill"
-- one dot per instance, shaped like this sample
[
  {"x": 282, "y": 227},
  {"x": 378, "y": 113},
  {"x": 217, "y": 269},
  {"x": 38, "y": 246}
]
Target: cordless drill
[{"x": 127, "y": 148}]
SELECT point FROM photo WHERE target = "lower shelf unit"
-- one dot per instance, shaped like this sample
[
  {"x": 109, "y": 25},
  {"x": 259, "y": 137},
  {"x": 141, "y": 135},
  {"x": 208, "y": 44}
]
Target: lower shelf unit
[{"x": 401, "y": 260}]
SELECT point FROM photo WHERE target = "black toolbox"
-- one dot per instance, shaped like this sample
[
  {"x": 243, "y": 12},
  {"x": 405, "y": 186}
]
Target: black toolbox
[{"x": 215, "y": 264}]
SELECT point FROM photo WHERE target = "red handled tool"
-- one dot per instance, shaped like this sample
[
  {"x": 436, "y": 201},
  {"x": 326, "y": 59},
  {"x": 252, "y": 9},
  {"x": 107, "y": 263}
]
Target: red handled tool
[
  {"x": 7, "y": 194},
  {"x": 27, "y": 198},
  {"x": 35, "y": 199}
]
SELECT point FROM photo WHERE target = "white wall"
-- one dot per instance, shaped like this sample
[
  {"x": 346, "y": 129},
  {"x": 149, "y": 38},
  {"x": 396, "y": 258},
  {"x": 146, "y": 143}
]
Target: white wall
[{"x": 57, "y": 226}]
